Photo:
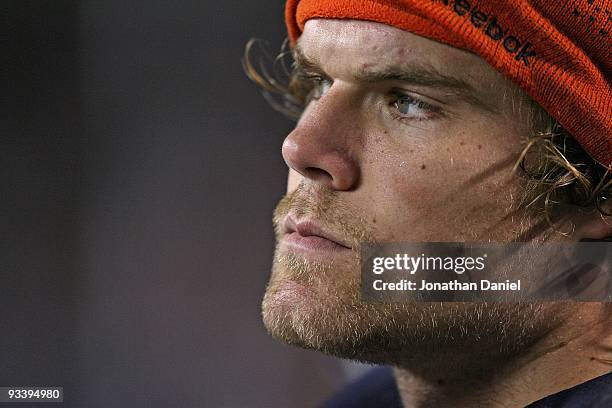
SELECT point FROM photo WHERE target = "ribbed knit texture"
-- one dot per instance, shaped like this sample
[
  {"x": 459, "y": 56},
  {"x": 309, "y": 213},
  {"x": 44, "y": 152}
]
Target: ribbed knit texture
[{"x": 559, "y": 52}]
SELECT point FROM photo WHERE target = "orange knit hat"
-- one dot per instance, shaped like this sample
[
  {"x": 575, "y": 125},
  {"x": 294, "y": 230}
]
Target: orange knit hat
[{"x": 559, "y": 52}]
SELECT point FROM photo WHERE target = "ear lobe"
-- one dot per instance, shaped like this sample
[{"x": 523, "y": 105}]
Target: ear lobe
[
  {"x": 593, "y": 226},
  {"x": 604, "y": 205}
]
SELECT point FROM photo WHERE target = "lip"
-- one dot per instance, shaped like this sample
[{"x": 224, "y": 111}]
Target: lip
[{"x": 309, "y": 236}]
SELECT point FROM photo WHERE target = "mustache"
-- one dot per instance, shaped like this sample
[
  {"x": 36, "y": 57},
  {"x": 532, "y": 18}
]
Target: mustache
[{"x": 328, "y": 209}]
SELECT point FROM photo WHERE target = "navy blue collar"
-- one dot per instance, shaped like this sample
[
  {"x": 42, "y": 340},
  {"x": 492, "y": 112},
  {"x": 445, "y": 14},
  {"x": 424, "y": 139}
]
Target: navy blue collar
[
  {"x": 377, "y": 389},
  {"x": 591, "y": 394}
]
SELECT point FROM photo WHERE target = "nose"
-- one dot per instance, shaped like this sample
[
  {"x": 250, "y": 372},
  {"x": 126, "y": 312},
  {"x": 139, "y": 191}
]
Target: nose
[{"x": 324, "y": 146}]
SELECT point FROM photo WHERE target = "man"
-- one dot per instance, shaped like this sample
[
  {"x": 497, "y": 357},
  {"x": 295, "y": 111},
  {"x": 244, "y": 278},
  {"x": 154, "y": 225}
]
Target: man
[{"x": 457, "y": 121}]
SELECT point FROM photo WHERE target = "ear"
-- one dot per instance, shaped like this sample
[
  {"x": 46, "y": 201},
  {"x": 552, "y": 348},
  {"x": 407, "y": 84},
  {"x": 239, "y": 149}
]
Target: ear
[{"x": 592, "y": 225}]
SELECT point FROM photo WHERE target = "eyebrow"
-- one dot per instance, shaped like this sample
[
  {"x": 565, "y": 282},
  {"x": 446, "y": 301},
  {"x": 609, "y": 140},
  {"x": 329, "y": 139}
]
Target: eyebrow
[{"x": 413, "y": 74}]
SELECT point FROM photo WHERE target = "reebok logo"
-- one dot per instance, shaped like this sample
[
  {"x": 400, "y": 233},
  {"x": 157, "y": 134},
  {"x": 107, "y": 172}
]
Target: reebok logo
[{"x": 492, "y": 29}]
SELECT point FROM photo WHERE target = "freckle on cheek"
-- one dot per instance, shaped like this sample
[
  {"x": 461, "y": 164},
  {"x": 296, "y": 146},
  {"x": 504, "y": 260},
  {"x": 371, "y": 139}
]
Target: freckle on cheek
[
  {"x": 422, "y": 167},
  {"x": 479, "y": 147},
  {"x": 462, "y": 143}
]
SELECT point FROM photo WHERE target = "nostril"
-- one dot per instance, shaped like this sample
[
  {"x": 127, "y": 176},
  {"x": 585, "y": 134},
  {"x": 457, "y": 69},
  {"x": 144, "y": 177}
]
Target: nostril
[{"x": 317, "y": 174}]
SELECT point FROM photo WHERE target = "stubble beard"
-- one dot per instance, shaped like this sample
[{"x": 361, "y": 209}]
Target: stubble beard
[{"x": 318, "y": 306}]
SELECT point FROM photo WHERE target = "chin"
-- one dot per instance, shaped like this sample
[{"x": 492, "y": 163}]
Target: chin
[
  {"x": 318, "y": 306},
  {"x": 304, "y": 306},
  {"x": 302, "y": 289},
  {"x": 286, "y": 309}
]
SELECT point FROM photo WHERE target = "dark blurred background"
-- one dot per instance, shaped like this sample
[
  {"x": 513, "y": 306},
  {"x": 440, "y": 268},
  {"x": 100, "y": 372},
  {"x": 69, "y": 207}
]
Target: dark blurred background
[{"x": 139, "y": 170}]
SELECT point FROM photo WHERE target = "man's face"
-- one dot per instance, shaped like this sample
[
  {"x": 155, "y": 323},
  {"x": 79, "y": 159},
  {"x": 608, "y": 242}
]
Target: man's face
[{"x": 409, "y": 140}]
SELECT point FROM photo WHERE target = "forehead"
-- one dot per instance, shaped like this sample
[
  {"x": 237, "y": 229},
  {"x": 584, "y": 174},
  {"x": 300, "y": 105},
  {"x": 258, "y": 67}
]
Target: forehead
[{"x": 344, "y": 46}]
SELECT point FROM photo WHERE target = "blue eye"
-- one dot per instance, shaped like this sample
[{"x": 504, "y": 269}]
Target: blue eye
[
  {"x": 413, "y": 108},
  {"x": 320, "y": 86}
]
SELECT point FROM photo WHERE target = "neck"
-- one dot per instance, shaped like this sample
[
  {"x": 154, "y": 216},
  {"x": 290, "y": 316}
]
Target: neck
[{"x": 573, "y": 353}]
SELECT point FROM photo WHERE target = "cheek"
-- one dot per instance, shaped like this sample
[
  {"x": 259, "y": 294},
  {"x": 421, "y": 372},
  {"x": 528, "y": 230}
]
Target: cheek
[
  {"x": 394, "y": 174},
  {"x": 413, "y": 186},
  {"x": 466, "y": 165},
  {"x": 409, "y": 200},
  {"x": 413, "y": 181},
  {"x": 433, "y": 195}
]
